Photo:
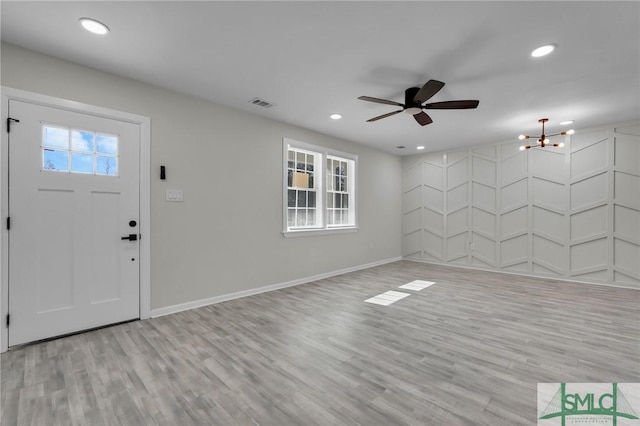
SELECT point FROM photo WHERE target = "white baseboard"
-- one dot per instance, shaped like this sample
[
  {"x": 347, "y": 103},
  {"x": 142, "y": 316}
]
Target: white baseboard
[
  {"x": 167, "y": 310},
  {"x": 522, "y": 274}
]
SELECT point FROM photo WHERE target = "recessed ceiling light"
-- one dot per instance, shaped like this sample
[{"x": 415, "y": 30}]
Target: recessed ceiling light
[
  {"x": 94, "y": 26},
  {"x": 420, "y": 147},
  {"x": 566, "y": 123},
  {"x": 335, "y": 116},
  {"x": 543, "y": 50}
]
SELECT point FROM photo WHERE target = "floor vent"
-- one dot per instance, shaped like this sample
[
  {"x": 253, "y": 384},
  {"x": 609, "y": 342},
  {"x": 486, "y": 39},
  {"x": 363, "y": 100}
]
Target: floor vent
[{"x": 261, "y": 103}]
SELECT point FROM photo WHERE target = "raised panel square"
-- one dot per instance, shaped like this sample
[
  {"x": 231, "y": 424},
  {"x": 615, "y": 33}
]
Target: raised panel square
[
  {"x": 433, "y": 198},
  {"x": 457, "y": 247},
  {"x": 514, "y": 168},
  {"x": 433, "y": 221},
  {"x": 548, "y": 252},
  {"x": 627, "y": 153},
  {"x": 457, "y": 174},
  {"x": 549, "y": 223},
  {"x": 484, "y": 171},
  {"x": 433, "y": 244},
  {"x": 626, "y": 255},
  {"x": 483, "y": 221},
  {"x": 457, "y": 222},
  {"x": 513, "y": 222},
  {"x": 588, "y": 223},
  {"x": 548, "y": 164},
  {"x": 484, "y": 197},
  {"x": 485, "y": 248},
  {"x": 433, "y": 176},
  {"x": 549, "y": 194},
  {"x": 514, "y": 194},
  {"x": 627, "y": 222},
  {"x": 627, "y": 189},
  {"x": 457, "y": 198},
  {"x": 589, "y": 159},
  {"x": 411, "y": 200},
  {"x": 589, "y": 191},
  {"x": 589, "y": 254},
  {"x": 514, "y": 249},
  {"x": 412, "y": 178},
  {"x": 412, "y": 222}
]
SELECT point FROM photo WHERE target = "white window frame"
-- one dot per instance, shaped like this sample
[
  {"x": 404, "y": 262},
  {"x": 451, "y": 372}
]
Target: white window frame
[{"x": 320, "y": 180}]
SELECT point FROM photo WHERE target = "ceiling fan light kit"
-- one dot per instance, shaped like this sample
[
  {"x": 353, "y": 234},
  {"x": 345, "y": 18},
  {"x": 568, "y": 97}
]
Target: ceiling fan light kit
[
  {"x": 543, "y": 140},
  {"x": 414, "y": 103}
]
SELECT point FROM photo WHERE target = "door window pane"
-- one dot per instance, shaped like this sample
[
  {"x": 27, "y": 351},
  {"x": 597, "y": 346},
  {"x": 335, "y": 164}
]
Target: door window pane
[
  {"x": 106, "y": 144},
  {"x": 81, "y": 163},
  {"x": 55, "y": 137},
  {"x": 107, "y": 166},
  {"x": 55, "y": 160},
  {"x": 81, "y": 141}
]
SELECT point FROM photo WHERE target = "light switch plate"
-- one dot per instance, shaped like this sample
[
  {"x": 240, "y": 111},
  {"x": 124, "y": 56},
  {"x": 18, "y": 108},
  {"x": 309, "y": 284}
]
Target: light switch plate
[{"x": 174, "y": 195}]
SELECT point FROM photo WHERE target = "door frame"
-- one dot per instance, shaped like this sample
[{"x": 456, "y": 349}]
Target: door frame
[{"x": 8, "y": 94}]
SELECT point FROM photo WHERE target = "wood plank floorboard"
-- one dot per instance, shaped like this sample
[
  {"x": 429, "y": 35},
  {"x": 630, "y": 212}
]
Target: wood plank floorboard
[{"x": 468, "y": 350}]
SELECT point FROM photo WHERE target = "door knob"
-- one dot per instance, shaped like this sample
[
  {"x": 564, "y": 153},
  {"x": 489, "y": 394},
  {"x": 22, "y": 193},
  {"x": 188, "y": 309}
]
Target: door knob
[{"x": 130, "y": 237}]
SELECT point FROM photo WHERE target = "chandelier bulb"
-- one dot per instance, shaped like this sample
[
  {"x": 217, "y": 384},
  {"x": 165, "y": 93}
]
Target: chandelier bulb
[{"x": 522, "y": 137}]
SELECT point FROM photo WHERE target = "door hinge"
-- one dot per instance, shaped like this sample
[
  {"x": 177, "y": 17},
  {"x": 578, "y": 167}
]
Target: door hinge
[
  {"x": 8, "y": 222},
  {"x": 8, "y": 320},
  {"x": 9, "y": 121}
]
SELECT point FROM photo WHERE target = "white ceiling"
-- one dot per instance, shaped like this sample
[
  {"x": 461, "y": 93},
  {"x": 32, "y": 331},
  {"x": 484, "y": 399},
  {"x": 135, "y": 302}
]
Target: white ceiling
[{"x": 314, "y": 58}]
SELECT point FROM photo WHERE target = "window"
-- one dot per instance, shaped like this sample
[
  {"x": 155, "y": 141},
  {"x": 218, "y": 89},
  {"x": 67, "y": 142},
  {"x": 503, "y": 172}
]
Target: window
[
  {"x": 320, "y": 189},
  {"x": 79, "y": 151}
]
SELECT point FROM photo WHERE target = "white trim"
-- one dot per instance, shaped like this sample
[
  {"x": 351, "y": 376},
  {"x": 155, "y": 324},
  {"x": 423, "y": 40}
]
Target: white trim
[
  {"x": 318, "y": 232},
  {"x": 9, "y": 93},
  {"x": 539, "y": 277},
  {"x": 167, "y": 310}
]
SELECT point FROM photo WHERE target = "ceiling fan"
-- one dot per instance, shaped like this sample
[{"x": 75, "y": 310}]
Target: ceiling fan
[{"x": 414, "y": 102}]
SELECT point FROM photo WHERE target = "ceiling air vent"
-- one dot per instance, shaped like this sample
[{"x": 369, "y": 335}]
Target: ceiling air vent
[{"x": 261, "y": 103}]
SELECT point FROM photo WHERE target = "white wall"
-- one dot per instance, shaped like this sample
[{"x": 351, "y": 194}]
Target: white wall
[
  {"x": 226, "y": 235},
  {"x": 572, "y": 213}
]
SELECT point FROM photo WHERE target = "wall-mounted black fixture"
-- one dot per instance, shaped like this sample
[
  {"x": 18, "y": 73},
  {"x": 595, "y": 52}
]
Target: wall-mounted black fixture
[{"x": 163, "y": 173}]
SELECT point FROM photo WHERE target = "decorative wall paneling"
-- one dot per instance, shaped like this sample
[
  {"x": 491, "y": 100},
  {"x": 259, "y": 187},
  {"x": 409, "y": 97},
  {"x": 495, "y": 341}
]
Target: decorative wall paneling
[{"x": 570, "y": 213}]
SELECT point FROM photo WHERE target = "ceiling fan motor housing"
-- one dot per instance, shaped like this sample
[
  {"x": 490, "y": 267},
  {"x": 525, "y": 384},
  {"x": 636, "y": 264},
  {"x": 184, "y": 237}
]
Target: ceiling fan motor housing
[{"x": 410, "y": 105}]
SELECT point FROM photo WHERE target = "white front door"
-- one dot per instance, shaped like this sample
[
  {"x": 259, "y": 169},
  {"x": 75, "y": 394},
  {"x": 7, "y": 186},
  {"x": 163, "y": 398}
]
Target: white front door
[{"x": 73, "y": 196}]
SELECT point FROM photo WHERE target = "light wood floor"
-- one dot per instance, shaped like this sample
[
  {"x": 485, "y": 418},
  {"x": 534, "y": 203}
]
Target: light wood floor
[{"x": 466, "y": 351}]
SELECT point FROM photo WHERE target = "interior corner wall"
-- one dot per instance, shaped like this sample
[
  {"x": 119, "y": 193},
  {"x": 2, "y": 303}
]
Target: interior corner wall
[
  {"x": 571, "y": 213},
  {"x": 226, "y": 236}
]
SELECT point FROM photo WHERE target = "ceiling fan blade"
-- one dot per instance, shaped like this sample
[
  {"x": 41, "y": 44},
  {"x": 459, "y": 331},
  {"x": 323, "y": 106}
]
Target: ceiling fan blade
[
  {"x": 389, "y": 114},
  {"x": 452, "y": 105},
  {"x": 429, "y": 89},
  {"x": 423, "y": 118},
  {"x": 379, "y": 101}
]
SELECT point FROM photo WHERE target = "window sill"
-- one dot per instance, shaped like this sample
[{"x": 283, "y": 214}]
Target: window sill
[{"x": 318, "y": 232}]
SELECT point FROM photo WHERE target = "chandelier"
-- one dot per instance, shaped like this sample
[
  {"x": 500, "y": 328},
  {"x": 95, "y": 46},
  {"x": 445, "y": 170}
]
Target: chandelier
[{"x": 543, "y": 140}]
